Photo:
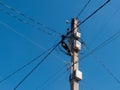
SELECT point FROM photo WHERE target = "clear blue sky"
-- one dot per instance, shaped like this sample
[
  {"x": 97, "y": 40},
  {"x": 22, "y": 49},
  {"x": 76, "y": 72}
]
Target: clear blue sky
[{"x": 20, "y": 43}]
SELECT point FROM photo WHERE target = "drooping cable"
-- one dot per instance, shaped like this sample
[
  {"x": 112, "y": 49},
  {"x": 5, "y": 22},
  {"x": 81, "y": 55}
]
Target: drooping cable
[
  {"x": 22, "y": 67},
  {"x": 34, "y": 68},
  {"x": 47, "y": 29},
  {"x": 82, "y": 10}
]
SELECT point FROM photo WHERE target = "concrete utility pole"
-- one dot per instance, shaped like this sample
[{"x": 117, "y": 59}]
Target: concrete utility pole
[{"x": 75, "y": 46}]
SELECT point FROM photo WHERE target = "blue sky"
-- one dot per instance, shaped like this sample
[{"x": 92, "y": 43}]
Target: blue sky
[{"x": 20, "y": 43}]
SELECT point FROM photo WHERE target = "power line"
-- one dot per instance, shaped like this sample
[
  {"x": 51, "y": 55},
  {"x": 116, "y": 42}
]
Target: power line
[
  {"x": 25, "y": 22},
  {"x": 29, "y": 18},
  {"x": 34, "y": 68},
  {"x": 108, "y": 70},
  {"x": 93, "y": 13},
  {"x": 80, "y": 23},
  {"x": 21, "y": 35},
  {"x": 82, "y": 10},
  {"x": 25, "y": 37},
  {"x": 22, "y": 67},
  {"x": 106, "y": 23},
  {"x": 55, "y": 78},
  {"x": 107, "y": 41},
  {"x": 113, "y": 37},
  {"x": 52, "y": 78}
]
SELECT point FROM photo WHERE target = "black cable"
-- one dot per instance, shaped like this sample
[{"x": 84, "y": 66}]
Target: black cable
[
  {"x": 28, "y": 17},
  {"x": 80, "y": 23},
  {"x": 34, "y": 68},
  {"x": 21, "y": 68},
  {"x": 60, "y": 49},
  {"x": 113, "y": 37},
  {"x": 93, "y": 13},
  {"x": 82, "y": 10}
]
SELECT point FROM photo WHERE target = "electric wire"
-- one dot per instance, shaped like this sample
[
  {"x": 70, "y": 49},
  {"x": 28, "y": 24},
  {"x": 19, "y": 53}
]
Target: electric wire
[
  {"x": 82, "y": 10},
  {"x": 61, "y": 50},
  {"x": 105, "y": 24},
  {"x": 93, "y": 13},
  {"x": 22, "y": 67},
  {"x": 82, "y": 22},
  {"x": 36, "y": 66},
  {"x": 107, "y": 70},
  {"x": 109, "y": 40},
  {"x": 21, "y": 35},
  {"x": 25, "y": 22},
  {"x": 104, "y": 43},
  {"x": 87, "y": 18},
  {"x": 96, "y": 11},
  {"x": 26, "y": 38},
  {"x": 113, "y": 37},
  {"x": 28, "y": 17},
  {"x": 104, "y": 66},
  {"x": 52, "y": 78},
  {"x": 28, "y": 23}
]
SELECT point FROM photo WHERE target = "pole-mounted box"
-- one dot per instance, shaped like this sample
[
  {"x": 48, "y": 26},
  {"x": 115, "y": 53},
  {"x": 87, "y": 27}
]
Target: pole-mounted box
[
  {"x": 78, "y": 75},
  {"x": 77, "y": 35},
  {"x": 77, "y": 45}
]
